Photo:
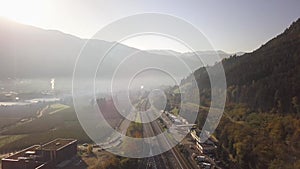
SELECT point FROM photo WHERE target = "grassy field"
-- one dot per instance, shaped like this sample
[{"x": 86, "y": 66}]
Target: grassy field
[
  {"x": 57, "y": 108},
  {"x": 4, "y": 140},
  {"x": 10, "y": 115},
  {"x": 57, "y": 121}
]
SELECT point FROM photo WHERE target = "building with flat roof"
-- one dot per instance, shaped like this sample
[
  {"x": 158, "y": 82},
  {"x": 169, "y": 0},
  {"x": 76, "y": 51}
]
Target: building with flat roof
[{"x": 46, "y": 156}]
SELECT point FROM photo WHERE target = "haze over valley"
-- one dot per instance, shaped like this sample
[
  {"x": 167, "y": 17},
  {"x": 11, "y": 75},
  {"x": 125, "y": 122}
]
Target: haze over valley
[{"x": 72, "y": 100}]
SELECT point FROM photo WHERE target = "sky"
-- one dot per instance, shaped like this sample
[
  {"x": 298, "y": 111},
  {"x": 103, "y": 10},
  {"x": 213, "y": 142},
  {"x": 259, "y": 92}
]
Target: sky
[{"x": 231, "y": 25}]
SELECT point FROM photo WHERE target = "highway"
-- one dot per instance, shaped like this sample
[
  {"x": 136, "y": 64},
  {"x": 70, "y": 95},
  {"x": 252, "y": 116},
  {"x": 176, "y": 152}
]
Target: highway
[
  {"x": 174, "y": 156},
  {"x": 171, "y": 159},
  {"x": 155, "y": 162}
]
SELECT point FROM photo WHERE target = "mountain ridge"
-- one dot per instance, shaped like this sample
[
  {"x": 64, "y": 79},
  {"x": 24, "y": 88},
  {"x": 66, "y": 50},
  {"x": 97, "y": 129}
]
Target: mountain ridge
[
  {"x": 31, "y": 52},
  {"x": 265, "y": 79}
]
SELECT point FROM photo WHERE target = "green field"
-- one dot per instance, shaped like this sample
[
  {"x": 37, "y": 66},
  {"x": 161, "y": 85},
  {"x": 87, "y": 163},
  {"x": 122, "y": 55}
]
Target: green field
[
  {"x": 4, "y": 140},
  {"x": 57, "y": 121}
]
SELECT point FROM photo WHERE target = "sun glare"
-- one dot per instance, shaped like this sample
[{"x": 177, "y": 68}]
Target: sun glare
[
  {"x": 29, "y": 11},
  {"x": 154, "y": 42}
]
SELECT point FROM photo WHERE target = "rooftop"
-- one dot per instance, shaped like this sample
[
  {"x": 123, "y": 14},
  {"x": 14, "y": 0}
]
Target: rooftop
[
  {"x": 58, "y": 144},
  {"x": 53, "y": 145},
  {"x": 23, "y": 152}
]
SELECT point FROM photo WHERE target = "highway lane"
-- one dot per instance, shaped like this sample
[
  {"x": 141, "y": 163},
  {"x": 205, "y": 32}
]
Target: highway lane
[
  {"x": 154, "y": 161},
  {"x": 170, "y": 159},
  {"x": 176, "y": 157},
  {"x": 173, "y": 156}
]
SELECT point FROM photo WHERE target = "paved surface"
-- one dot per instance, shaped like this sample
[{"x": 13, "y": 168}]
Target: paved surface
[{"x": 171, "y": 159}]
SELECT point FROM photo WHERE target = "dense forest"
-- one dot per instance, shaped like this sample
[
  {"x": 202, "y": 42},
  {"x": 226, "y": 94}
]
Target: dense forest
[{"x": 260, "y": 127}]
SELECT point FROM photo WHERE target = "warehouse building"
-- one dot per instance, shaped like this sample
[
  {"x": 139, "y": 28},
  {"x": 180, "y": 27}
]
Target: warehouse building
[{"x": 51, "y": 155}]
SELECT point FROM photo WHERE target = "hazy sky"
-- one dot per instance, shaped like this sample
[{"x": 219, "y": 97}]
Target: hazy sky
[{"x": 231, "y": 25}]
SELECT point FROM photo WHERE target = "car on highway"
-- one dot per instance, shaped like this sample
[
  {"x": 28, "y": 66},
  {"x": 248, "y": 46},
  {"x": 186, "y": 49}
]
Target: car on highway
[
  {"x": 205, "y": 165},
  {"x": 200, "y": 159}
]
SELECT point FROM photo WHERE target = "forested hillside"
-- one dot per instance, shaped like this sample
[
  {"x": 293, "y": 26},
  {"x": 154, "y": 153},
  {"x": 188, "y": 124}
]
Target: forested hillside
[
  {"x": 266, "y": 79},
  {"x": 260, "y": 127}
]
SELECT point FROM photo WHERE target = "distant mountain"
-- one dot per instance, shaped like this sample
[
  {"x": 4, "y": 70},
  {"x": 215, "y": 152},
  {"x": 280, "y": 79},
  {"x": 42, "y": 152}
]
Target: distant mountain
[
  {"x": 192, "y": 59},
  {"x": 191, "y": 56},
  {"x": 267, "y": 79},
  {"x": 164, "y": 52},
  {"x": 209, "y": 57},
  {"x": 221, "y": 53},
  {"x": 27, "y": 51},
  {"x": 30, "y": 52}
]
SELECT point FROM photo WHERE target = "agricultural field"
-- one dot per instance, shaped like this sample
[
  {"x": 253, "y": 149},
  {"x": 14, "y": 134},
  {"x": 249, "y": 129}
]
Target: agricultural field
[
  {"x": 56, "y": 121},
  {"x": 13, "y": 114}
]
